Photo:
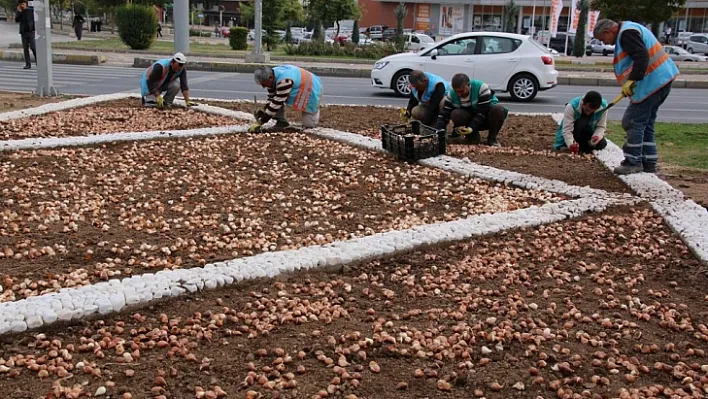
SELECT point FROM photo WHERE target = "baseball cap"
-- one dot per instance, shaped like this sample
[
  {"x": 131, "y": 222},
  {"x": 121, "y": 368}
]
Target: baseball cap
[{"x": 180, "y": 58}]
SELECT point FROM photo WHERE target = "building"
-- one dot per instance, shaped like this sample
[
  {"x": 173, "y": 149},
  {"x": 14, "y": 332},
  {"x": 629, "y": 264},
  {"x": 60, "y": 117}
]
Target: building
[
  {"x": 222, "y": 12},
  {"x": 443, "y": 18}
]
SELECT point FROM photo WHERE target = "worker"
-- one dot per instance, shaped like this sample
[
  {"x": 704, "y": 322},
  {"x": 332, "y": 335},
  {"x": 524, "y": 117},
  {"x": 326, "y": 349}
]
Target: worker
[
  {"x": 161, "y": 77},
  {"x": 426, "y": 99},
  {"x": 583, "y": 128},
  {"x": 292, "y": 86},
  {"x": 645, "y": 72},
  {"x": 472, "y": 107}
]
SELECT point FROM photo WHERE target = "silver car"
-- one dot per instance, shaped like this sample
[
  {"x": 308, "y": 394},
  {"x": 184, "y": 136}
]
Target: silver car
[
  {"x": 596, "y": 47},
  {"x": 679, "y": 54},
  {"x": 698, "y": 44}
]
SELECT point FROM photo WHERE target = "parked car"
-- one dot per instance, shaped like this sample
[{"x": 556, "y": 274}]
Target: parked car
[
  {"x": 558, "y": 43},
  {"x": 698, "y": 44},
  {"x": 679, "y": 54},
  {"x": 375, "y": 32},
  {"x": 596, "y": 46},
  {"x": 682, "y": 39},
  {"x": 416, "y": 42},
  {"x": 542, "y": 37},
  {"x": 507, "y": 62},
  {"x": 388, "y": 34}
]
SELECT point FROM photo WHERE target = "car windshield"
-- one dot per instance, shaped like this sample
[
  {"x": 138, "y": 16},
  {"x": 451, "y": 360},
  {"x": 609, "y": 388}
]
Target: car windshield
[
  {"x": 425, "y": 39},
  {"x": 680, "y": 50}
]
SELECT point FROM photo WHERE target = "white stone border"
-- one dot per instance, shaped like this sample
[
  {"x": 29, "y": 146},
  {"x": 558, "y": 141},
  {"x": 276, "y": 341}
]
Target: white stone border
[
  {"x": 115, "y": 295},
  {"x": 685, "y": 217}
]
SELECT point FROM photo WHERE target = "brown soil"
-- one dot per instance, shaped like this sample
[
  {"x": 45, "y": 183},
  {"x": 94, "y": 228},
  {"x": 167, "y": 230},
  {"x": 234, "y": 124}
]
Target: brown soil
[
  {"x": 610, "y": 304},
  {"x": 692, "y": 182},
  {"x": 110, "y": 117},
  {"x": 12, "y": 101},
  {"x": 527, "y": 142},
  {"x": 93, "y": 213}
]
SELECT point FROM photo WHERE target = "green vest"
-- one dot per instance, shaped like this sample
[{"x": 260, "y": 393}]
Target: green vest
[
  {"x": 475, "y": 87},
  {"x": 594, "y": 119}
]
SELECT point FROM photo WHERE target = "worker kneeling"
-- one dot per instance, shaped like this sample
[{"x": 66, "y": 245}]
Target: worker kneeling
[
  {"x": 472, "y": 107},
  {"x": 161, "y": 77},
  {"x": 291, "y": 85},
  {"x": 427, "y": 97},
  {"x": 583, "y": 127}
]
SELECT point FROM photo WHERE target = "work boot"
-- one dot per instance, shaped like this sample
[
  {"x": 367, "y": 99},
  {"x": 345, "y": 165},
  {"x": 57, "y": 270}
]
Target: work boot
[
  {"x": 28, "y": 66},
  {"x": 628, "y": 169},
  {"x": 473, "y": 138},
  {"x": 281, "y": 124},
  {"x": 649, "y": 168},
  {"x": 493, "y": 143}
]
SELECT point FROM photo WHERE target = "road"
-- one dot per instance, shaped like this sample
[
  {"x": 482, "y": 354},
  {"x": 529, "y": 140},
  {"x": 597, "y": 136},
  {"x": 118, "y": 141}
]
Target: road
[{"x": 684, "y": 105}]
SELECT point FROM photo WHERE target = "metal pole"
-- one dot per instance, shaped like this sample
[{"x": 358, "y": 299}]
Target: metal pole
[
  {"x": 258, "y": 46},
  {"x": 533, "y": 20},
  {"x": 543, "y": 23},
  {"x": 181, "y": 25},
  {"x": 45, "y": 80}
]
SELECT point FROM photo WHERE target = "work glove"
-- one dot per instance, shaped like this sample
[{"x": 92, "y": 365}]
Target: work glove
[
  {"x": 256, "y": 127},
  {"x": 574, "y": 148},
  {"x": 464, "y": 130},
  {"x": 405, "y": 116},
  {"x": 160, "y": 101},
  {"x": 628, "y": 88},
  {"x": 191, "y": 103},
  {"x": 594, "y": 140}
]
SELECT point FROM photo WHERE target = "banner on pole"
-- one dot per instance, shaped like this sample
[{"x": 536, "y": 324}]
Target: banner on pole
[
  {"x": 593, "y": 17},
  {"x": 574, "y": 16},
  {"x": 556, "y": 8}
]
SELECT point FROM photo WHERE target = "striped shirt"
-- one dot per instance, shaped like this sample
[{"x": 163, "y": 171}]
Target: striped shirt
[{"x": 277, "y": 97}]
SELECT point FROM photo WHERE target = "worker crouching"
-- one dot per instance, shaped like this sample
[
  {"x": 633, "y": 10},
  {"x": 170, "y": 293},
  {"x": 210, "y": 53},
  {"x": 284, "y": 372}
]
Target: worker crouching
[
  {"x": 161, "y": 77},
  {"x": 472, "y": 107},
  {"x": 292, "y": 86},
  {"x": 426, "y": 99},
  {"x": 583, "y": 126}
]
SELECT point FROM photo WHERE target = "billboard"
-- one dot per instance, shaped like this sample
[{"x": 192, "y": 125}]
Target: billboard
[{"x": 452, "y": 19}]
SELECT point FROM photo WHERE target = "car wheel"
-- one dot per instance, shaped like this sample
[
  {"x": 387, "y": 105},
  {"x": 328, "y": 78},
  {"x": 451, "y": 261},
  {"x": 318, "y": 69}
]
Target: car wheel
[
  {"x": 689, "y": 60},
  {"x": 605, "y": 53},
  {"x": 401, "y": 83},
  {"x": 523, "y": 87},
  {"x": 690, "y": 50},
  {"x": 588, "y": 53}
]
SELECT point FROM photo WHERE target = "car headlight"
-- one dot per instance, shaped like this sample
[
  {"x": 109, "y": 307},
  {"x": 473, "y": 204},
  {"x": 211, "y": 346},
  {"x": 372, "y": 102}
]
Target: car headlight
[{"x": 381, "y": 64}]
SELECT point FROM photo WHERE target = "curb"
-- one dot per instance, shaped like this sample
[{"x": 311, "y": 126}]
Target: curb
[
  {"x": 366, "y": 73},
  {"x": 71, "y": 59}
]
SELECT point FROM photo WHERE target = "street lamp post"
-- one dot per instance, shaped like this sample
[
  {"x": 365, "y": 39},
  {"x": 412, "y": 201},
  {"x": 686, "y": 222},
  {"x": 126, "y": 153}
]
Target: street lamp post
[
  {"x": 45, "y": 79},
  {"x": 258, "y": 56},
  {"x": 181, "y": 26}
]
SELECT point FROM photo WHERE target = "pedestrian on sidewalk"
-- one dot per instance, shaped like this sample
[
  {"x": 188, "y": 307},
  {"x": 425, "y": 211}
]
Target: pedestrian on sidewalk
[
  {"x": 161, "y": 77},
  {"x": 159, "y": 29},
  {"x": 79, "y": 25},
  {"x": 25, "y": 17},
  {"x": 583, "y": 128},
  {"x": 292, "y": 86},
  {"x": 645, "y": 72}
]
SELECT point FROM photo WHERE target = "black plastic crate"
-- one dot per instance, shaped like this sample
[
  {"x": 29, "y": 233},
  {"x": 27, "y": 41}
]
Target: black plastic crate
[{"x": 413, "y": 141}]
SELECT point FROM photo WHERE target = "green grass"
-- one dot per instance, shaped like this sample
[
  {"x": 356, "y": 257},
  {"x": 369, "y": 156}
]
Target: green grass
[{"x": 680, "y": 144}]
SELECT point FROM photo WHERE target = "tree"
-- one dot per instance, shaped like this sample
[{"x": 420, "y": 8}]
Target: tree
[
  {"x": 355, "y": 32},
  {"x": 400, "y": 13},
  {"x": 511, "y": 9},
  {"x": 579, "y": 45},
  {"x": 644, "y": 11},
  {"x": 272, "y": 17},
  {"x": 333, "y": 11}
]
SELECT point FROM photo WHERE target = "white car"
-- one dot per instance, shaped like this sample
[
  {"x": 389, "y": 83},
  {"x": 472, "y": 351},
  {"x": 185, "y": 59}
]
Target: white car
[
  {"x": 679, "y": 54},
  {"x": 416, "y": 42},
  {"x": 507, "y": 62}
]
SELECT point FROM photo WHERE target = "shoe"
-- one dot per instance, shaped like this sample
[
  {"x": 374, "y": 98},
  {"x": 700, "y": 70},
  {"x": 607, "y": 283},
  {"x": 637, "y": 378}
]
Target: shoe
[
  {"x": 281, "y": 124},
  {"x": 649, "y": 168},
  {"x": 627, "y": 169},
  {"x": 473, "y": 138},
  {"x": 493, "y": 143},
  {"x": 27, "y": 67}
]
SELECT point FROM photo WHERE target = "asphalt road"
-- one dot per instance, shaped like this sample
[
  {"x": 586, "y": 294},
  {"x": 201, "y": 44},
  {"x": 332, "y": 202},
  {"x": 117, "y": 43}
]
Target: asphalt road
[{"x": 684, "y": 105}]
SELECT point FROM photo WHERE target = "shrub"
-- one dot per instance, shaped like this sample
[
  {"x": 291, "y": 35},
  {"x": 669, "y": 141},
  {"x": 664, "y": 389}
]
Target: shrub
[
  {"x": 137, "y": 26},
  {"x": 199, "y": 32},
  {"x": 271, "y": 39},
  {"x": 238, "y": 38},
  {"x": 351, "y": 50}
]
